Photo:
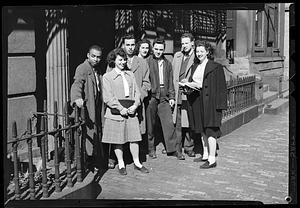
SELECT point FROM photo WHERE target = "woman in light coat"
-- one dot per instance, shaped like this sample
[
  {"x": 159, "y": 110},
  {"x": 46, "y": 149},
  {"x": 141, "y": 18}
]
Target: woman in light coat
[{"x": 123, "y": 126}]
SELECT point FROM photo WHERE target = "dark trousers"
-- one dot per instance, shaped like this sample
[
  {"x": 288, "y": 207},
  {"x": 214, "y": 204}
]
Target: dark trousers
[
  {"x": 183, "y": 134},
  {"x": 162, "y": 109}
]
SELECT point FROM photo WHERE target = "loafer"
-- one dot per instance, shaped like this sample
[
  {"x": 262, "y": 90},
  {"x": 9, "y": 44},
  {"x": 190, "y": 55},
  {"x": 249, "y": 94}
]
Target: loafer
[
  {"x": 122, "y": 171},
  {"x": 143, "y": 169},
  {"x": 190, "y": 153},
  {"x": 164, "y": 151},
  {"x": 206, "y": 165},
  {"x": 200, "y": 159},
  {"x": 152, "y": 155},
  {"x": 111, "y": 165}
]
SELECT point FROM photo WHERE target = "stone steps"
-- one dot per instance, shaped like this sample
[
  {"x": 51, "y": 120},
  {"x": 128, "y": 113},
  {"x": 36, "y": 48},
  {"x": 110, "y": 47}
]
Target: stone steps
[
  {"x": 277, "y": 106},
  {"x": 273, "y": 102}
]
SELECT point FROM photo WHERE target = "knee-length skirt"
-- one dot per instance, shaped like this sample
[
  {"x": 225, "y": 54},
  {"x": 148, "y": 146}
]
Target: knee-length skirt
[{"x": 121, "y": 131}]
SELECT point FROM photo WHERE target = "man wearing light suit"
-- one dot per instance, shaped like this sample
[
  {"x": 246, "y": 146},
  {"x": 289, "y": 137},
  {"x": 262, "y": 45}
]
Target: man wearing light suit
[{"x": 181, "y": 64}]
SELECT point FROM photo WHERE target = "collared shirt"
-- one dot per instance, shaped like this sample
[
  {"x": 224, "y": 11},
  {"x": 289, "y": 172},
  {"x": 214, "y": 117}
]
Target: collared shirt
[
  {"x": 199, "y": 73},
  {"x": 161, "y": 71},
  {"x": 188, "y": 55},
  {"x": 97, "y": 79},
  {"x": 129, "y": 62},
  {"x": 125, "y": 83}
]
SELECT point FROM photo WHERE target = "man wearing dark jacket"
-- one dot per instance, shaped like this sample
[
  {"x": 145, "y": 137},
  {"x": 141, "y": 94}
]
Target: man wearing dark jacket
[
  {"x": 162, "y": 100},
  {"x": 87, "y": 86}
]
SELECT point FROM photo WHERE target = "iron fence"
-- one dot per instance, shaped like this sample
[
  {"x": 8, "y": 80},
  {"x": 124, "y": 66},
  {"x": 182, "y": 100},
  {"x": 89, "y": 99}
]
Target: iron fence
[
  {"x": 71, "y": 131},
  {"x": 240, "y": 95}
]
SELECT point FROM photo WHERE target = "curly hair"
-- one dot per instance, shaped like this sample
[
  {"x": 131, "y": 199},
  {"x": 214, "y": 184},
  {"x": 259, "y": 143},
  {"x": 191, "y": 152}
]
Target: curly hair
[
  {"x": 138, "y": 45},
  {"x": 208, "y": 47},
  {"x": 112, "y": 55}
]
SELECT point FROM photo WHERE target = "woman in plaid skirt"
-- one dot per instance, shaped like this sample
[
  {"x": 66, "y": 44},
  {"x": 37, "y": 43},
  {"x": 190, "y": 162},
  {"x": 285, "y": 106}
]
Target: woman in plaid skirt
[{"x": 122, "y": 97}]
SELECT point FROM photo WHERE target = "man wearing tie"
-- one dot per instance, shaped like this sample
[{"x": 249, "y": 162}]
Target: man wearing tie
[
  {"x": 87, "y": 87},
  {"x": 182, "y": 62}
]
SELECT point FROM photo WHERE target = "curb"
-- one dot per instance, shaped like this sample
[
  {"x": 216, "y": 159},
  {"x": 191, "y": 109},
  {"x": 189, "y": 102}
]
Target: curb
[{"x": 236, "y": 121}]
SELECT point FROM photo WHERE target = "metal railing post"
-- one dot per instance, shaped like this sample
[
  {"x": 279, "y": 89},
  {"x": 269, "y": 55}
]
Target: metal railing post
[
  {"x": 15, "y": 158},
  {"x": 77, "y": 147},
  {"x": 30, "y": 167},
  {"x": 67, "y": 148},
  {"x": 44, "y": 162},
  {"x": 56, "y": 159},
  {"x": 46, "y": 130}
]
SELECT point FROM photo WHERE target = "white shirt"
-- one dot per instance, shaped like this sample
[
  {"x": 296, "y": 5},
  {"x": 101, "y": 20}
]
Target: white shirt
[
  {"x": 129, "y": 62},
  {"x": 125, "y": 83},
  {"x": 161, "y": 71},
  {"x": 199, "y": 73}
]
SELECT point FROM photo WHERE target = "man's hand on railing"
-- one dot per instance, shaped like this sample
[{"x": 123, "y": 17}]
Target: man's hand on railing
[{"x": 79, "y": 102}]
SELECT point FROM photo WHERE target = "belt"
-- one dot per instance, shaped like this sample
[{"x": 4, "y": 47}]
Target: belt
[{"x": 161, "y": 85}]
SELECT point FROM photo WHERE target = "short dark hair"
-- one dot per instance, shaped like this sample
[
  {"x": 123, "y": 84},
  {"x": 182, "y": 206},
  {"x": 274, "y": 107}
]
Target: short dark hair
[
  {"x": 208, "y": 47},
  {"x": 188, "y": 35},
  {"x": 112, "y": 55},
  {"x": 159, "y": 40},
  {"x": 95, "y": 47},
  {"x": 138, "y": 45},
  {"x": 128, "y": 36}
]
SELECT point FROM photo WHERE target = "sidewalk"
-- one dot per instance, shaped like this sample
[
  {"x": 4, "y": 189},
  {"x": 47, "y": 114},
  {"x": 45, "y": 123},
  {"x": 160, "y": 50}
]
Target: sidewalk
[{"x": 252, "y": 165}]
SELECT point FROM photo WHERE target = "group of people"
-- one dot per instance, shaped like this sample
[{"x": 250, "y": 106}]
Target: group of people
[{"x": 139, "y": 87}]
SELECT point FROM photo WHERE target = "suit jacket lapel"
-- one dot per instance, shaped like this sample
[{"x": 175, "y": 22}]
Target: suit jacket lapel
[
  {"x": 165, "y": 71},
  {"x": 190, "y": 63},
  {"x": 135, "y": 64},
  {"x": 178, "y": 64},
  {"x": 93, "y": 78},
  {"x": 208, "y": 68}
]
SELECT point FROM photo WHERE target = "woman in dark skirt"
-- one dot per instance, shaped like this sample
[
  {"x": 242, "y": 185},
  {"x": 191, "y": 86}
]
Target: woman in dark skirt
[{"x": 207, "y": 91}]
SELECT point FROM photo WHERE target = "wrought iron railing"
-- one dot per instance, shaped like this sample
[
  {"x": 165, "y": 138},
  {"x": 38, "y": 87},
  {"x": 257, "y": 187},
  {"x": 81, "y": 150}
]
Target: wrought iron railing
[
  {"x": 240, "y": 95},
  {"x": 72, "y": 132}
]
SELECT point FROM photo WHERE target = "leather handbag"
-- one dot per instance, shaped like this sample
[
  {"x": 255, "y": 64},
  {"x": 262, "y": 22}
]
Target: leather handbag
[{"x": 125, "y": 103}]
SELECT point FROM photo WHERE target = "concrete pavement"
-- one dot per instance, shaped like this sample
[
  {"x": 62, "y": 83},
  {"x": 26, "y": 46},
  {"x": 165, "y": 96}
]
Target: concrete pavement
[{"x": 252, "y": 165}]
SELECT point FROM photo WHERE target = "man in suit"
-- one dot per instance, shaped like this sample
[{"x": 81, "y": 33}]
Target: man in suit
[
  {"x": 87, "y": 86},
  {"x": 140, "y": 69},
  {"x": 182, "y": 62},
  {"x": 161, "y": 101}
]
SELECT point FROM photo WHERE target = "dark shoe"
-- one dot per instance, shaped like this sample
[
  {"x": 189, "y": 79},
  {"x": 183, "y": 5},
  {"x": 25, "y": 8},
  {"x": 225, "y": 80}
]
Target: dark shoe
[
  {"x": 199, "y": 159},
  {"x": 206, "y": 165},
  {"x": 142, "y": 169},
  {"x": 152, "y": 155},
  {"x": 190, "y": 153},
  {"x": 111, "y": 165},
  {"x": 123, "y": 171},
  {"x": 179, "y": 155},
  {"x": 164, "y": 151}
]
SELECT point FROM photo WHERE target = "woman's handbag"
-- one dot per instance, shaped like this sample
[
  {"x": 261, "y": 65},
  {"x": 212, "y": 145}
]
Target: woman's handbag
[{"x": 125, "y": 103}]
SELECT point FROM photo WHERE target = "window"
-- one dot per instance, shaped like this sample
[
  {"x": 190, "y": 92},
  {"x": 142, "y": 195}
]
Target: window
[
  {"x": 258, "y": 28},
  {"x": 272, "y": 25}
]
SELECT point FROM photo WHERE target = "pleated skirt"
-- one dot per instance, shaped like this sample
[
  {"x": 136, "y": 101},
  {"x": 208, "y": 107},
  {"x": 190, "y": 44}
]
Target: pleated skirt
[{"x": 121, "y": 132}]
